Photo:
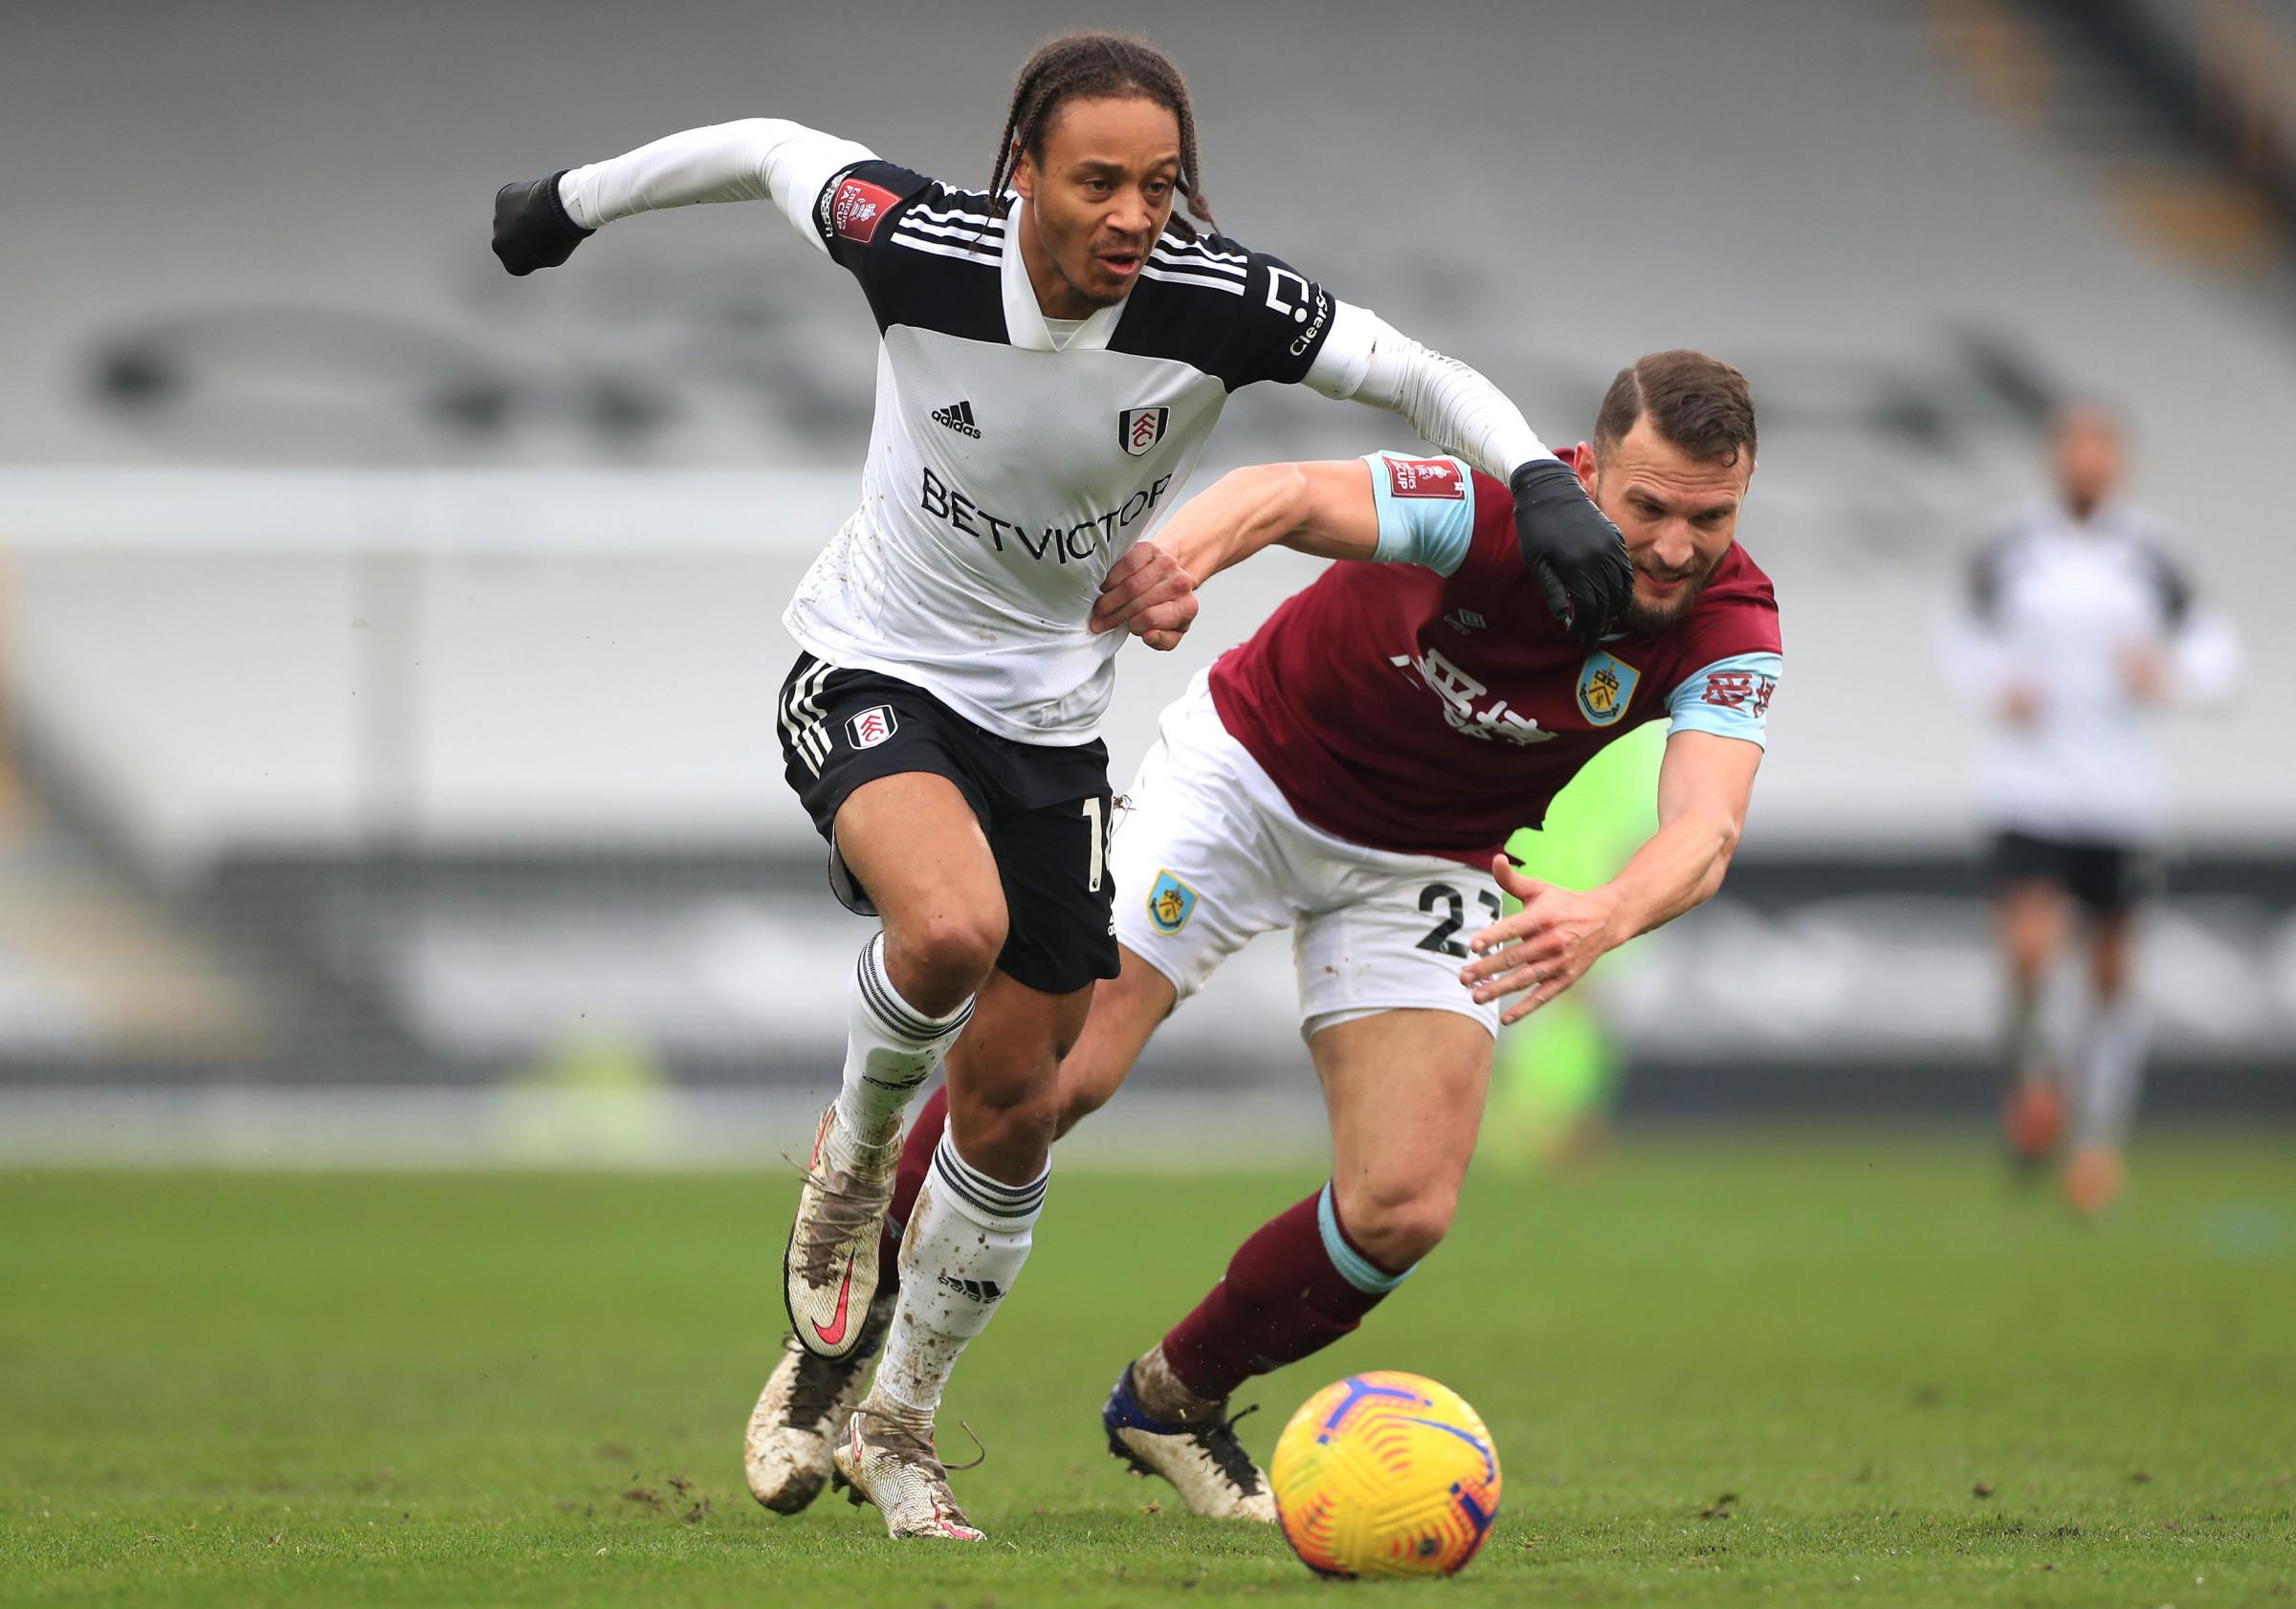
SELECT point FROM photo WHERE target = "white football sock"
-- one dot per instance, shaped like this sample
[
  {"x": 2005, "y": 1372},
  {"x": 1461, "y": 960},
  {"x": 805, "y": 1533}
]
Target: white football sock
[
  {"x": 967, "y": 1241},
  {"x": 2024, "y": 1040},
  {"x": 891, "y": 1049},
  {"x": 2112, "y": 1073}
]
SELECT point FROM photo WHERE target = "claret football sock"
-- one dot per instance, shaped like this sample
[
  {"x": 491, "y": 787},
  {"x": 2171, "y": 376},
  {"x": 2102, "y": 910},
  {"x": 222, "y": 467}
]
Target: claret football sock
[
  {"x": 1295, "y": 1286},
  {"x": 966, "y": 1241},
  {"x": 891, "y": 1049},
  {"x": 916, "y": 1162}
]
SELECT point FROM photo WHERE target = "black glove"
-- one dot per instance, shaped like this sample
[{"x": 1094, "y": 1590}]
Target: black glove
[
  {"x": 1575, "y": 552},
  {"x": 532, "y": 229}
]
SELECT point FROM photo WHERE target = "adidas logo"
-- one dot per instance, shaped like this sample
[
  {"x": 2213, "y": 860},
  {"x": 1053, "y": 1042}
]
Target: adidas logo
[
  {"x": 979, "y": 1290},
  {"x": 958, "y": 417}
]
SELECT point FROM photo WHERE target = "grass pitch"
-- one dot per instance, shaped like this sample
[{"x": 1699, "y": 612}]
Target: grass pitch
[{"x": 1827, "y": 1367}]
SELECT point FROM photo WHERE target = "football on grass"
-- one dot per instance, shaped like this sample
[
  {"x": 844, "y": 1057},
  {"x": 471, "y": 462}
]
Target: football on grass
[{"x": 1385, "y": 1473}]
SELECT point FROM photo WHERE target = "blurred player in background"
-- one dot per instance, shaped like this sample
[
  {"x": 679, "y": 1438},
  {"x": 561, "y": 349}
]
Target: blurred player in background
[
  {"x": 1054, "y": 352},
  {"x": 2075, "y": 624},
  {"x": 1351, "y": 773}
]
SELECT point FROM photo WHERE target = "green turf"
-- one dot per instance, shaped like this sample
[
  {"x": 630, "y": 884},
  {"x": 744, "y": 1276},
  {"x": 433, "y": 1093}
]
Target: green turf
[{"x": 1829, "y": 1367}]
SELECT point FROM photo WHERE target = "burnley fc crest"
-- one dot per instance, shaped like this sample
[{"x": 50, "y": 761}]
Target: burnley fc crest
[
  {"x": 1605, "y": 688},
  {"x": 1141, "y": 429},
  {"x": 1171, "y": 902}
]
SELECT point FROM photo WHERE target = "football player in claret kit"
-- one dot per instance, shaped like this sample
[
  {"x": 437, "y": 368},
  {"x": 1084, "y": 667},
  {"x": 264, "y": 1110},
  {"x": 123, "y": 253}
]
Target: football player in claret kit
[
  {"x": 1053, "y": 353},
  {"x": 1351, "y": 773}
]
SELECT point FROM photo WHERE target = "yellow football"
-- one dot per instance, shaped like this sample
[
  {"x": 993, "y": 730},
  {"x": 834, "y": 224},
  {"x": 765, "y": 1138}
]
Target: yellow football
[{"x": 1385, "y": 1473}]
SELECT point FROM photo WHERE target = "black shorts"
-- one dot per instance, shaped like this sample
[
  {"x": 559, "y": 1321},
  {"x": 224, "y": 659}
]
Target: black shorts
[
  {"x": 1045, "y": 809},
  {"x": 2104, "y": 879}
]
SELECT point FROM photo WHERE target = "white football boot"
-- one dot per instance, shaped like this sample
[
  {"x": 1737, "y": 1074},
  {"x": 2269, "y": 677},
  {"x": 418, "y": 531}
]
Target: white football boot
[
  {"x": 1202, "y": 1458},
  {"x": 889, "y": 1462},
  {"x": 830, "y": 1270},
  {"x": 785, "y": 1451}
]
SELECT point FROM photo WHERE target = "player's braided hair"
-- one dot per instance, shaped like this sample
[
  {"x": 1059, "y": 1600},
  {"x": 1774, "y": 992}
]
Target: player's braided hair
[{"x": 1091, "y": 67}]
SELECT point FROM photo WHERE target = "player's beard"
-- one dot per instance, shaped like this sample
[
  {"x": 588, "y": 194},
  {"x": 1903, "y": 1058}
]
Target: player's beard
[{"x": 1645, "y": 619}]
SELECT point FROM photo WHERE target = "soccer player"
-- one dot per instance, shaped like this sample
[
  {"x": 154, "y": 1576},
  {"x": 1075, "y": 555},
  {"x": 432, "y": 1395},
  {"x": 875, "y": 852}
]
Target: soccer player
[
  {"x": 1351, "y": 773},
  {"x": 2075, "y": 623},
  {"x": 1053, "y": 352}
]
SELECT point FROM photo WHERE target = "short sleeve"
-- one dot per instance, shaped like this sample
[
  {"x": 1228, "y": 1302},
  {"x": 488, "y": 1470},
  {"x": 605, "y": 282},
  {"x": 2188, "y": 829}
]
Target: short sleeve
[
  {"x": 1426, "y": 509},
  {"x": 1493, "y": 559},
  {"x": 1730, "y": 698}
]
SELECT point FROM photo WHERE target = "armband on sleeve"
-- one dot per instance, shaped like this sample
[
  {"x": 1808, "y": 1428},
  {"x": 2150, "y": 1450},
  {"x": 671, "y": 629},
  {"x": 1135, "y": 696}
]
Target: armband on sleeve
[
  {"x": 1730, "y": 699},
  {"x": 1427, "y": 510}
]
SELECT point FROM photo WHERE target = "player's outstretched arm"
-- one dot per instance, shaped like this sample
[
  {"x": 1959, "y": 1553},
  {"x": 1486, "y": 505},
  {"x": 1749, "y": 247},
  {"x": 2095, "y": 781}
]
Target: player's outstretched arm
[
  {"x": 539, "y": 222},
  {"x": 1324, "y": 508},
  {"x": 1704, "y": 785},
  {"x": 1576, "y": 553}
]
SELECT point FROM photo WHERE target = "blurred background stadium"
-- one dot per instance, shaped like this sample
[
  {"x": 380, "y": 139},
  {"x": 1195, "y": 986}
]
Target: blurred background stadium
[{"x": 389, "y": 649}]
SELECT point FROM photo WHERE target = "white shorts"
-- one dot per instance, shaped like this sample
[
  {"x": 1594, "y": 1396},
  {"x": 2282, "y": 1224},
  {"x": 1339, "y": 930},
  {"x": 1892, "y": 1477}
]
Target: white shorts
[{"x": 1209, "y": 855}]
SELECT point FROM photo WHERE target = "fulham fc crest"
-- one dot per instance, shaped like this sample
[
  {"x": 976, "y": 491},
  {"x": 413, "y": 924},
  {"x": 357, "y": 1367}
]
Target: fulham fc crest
[
  {"x": 871, "y": 726},
  {"x": 1140, "y": 429}
]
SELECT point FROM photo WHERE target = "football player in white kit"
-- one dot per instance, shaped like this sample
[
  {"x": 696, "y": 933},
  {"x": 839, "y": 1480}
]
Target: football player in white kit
[
  {"x": 1054, "y": 352},
  {"x": 2076, "y": 623}
]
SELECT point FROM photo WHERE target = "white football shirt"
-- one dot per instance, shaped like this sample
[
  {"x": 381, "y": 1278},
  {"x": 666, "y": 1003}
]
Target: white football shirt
[
  {"x": 1010, "y": 466},
  {"x": 1014, "y": 458},
  {"x": 2056, "y": 605}
]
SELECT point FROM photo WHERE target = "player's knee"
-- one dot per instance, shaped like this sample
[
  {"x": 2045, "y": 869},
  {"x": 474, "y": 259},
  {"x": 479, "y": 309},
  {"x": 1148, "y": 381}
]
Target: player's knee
[
  {"x": 2031, "y": 939},
  {"x": 947, "y": 951},
  {"x": 2029, "y": 955}
]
